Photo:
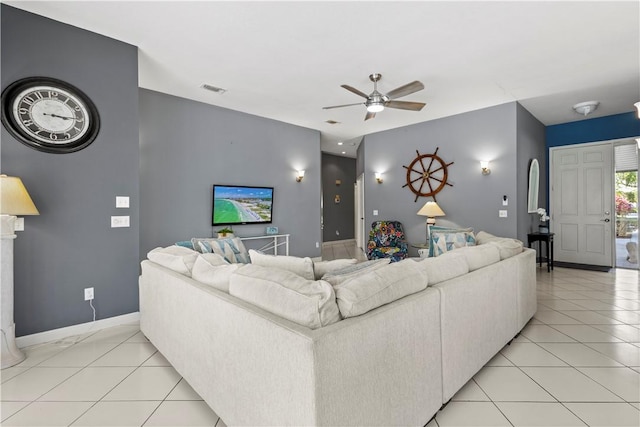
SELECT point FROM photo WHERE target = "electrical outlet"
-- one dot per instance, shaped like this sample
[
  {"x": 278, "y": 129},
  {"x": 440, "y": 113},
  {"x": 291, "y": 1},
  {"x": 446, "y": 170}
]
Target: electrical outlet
[
  {"x": 502, "y": 213},
  {"x": 88, "y": 294}
]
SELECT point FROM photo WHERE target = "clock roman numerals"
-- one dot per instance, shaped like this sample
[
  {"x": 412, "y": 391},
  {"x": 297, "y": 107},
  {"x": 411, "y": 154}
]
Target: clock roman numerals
[{"x": 49, "y": 115}]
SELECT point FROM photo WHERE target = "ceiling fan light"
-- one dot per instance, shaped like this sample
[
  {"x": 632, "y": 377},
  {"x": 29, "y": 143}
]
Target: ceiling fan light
[{"x": 375, "y": 107}]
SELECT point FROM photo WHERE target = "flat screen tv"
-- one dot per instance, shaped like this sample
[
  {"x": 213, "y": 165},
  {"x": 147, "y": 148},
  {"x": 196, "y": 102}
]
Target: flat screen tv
[{"x": 235, "y": 204}]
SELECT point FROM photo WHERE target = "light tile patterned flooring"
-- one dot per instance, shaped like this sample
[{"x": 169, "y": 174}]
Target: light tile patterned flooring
[{"x": 577, "y": 363}]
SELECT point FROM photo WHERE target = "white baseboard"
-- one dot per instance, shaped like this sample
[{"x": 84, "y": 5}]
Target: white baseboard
[
  {"x": 69, "y": 331},
  {"x": 340, "y": 242}
]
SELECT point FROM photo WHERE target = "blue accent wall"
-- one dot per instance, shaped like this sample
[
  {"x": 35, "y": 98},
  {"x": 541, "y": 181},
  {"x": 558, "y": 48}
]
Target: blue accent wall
[{"x": 623, "y": 125}]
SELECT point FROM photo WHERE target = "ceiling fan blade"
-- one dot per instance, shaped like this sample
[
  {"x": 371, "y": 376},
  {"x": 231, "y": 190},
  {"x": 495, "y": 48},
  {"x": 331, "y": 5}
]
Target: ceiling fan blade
[
  {"x": 405, "y": 105},
  {"x": 405, "y": 90},
  {"x": 344, "y": 105},
  {"x": 354, "y": 90},
  {"x": 369, "y": 115}
]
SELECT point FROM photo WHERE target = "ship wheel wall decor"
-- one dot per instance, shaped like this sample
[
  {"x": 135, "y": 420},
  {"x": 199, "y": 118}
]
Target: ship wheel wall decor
[{"x": 427, "y": 175}]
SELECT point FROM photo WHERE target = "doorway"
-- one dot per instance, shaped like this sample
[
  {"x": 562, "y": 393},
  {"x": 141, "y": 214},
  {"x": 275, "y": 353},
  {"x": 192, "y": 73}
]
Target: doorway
[
  {"x": 626, "y": 204},
  {"x": 359, "y": 210}
]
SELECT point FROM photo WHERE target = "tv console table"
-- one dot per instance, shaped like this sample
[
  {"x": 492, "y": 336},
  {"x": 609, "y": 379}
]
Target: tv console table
[{"x": 276, "y": 241}]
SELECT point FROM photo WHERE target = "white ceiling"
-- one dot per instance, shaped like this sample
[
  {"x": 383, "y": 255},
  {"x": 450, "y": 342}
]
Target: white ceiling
[{"x": 286, "y": 60}]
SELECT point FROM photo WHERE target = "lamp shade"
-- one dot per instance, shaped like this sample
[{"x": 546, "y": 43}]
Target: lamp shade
[
  {"x": 15, "y": 198},
  {"x": 431, "y": 210}
]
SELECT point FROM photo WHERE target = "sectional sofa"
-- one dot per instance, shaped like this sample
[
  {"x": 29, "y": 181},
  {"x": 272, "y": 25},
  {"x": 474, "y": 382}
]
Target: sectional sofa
[{"x": 395, "y": 364}]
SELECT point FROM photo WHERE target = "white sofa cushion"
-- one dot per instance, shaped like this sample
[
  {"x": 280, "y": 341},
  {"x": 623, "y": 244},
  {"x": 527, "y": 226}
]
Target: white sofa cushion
[
  {"x": 320, "y": 268},
  {"x": 176, "y": 258},
  {"x": 447, "y": 266},
  {"x": 286, "y": 294},
  {"x": 370, "y": 290},
  {"x": 483, "y": 237},
  {"x": 213, "y": 270},
  {"x": 231, "y": 249},
  {"x": 507, "y": 247},
  {"x": 480, "y": 256},
  {"x": 338, "y": 277},
  {"x": 301, "y": 266}
]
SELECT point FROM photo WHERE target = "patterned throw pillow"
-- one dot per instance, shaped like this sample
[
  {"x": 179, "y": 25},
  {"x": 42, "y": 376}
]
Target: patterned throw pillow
[
  {"x": 445, "y": 242},
  {"x": 232, "y": 250},
  {"x": 434, "y": 228}
]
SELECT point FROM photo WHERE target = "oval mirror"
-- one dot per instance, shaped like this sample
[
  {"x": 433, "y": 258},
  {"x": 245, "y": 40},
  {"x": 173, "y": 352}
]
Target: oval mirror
[{"x": 534, "y": 183}]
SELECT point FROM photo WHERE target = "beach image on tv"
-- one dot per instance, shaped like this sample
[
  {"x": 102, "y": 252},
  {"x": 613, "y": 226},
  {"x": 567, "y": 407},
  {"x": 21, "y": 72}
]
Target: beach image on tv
[{"x": 241, "y": 204}]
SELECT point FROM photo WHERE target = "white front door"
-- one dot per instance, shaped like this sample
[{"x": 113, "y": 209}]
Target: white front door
[{"x": 582, "y": 203}]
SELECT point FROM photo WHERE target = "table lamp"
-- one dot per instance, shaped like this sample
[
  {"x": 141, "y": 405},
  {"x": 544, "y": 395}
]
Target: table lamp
[
  {"x": 14, "y": 200},
  {"x": 431, "y": 210}
]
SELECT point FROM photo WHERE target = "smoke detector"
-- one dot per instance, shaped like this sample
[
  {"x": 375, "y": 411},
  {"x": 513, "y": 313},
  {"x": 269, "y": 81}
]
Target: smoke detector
[{"x": 585, "y": 108}]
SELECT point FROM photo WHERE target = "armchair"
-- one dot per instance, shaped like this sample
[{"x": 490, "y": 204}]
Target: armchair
[{"x": 387, "y": 240}]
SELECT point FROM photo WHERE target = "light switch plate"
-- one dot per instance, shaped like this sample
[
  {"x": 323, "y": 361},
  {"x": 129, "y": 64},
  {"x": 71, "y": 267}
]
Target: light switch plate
[
  {"x": 119, "y": 221},
  {"x": 502, "y": 213},
  {"x": 122, "y": 201},
  {"x": 375, "y": 212},
  {"x": 18, "y": 225}
]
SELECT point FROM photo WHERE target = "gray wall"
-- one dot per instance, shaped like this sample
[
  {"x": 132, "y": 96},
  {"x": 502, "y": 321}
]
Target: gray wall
[
  {"x": 474, "y": 199},
  {"x": 531, "y": 145},
  {"x": 338, "y": 218},
  {"x": 71, "y": 246},
  {"x": 187, "y": 146}
]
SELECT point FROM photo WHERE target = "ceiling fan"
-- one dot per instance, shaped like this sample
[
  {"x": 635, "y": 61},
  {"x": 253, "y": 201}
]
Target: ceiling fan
[{"x": 376, "y": 101}]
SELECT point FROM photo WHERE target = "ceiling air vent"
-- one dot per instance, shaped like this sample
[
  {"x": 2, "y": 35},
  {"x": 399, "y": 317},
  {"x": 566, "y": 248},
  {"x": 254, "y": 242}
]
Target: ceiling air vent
[{"x": 213, "y": 88}]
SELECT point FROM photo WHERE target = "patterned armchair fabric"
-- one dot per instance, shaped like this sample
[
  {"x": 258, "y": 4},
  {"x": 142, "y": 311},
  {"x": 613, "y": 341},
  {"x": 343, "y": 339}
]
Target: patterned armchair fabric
[{"x": 387, "y": 240}]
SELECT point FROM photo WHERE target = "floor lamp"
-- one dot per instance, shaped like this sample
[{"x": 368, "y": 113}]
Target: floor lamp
[
  {"x": 431, "y": 210},
  {"x": 14, "y": 200}
]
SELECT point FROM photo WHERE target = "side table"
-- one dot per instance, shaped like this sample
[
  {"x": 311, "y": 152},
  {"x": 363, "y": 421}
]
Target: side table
[
  {"x": 423, "y": 249},
  {"x": 547, "y": 238}
]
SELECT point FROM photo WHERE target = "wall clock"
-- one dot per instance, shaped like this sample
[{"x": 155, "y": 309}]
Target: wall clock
[
  {"x": 427, "y": 175},
  {"x": 49, "y": 115}
]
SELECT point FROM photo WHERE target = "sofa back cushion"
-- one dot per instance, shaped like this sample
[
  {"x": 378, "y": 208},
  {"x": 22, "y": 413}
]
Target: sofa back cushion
[
  {"x": 507, "y": 247},
  {"x": 362, "y": 293},
  {"x": 286, "y": 294},
  {"x": 176, "y": 258},
  {"x": 480, "y": 256},
  {"x": 320, "y": 268},
  {"x": 300, "y": 266},
  {"x": 213, "y": 270},
  {"x": 447, "y": 266},
  {"x": 338, "y": 277}
]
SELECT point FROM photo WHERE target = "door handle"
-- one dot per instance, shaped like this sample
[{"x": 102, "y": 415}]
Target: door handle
[{"x": 605, "y": 220}]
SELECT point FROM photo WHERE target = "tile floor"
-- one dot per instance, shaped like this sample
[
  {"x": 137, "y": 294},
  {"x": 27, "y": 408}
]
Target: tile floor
[{"x": 576, "y": 363}]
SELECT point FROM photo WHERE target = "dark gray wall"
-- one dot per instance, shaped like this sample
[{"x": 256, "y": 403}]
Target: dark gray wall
[
  {"x": 71, "y": 246},
  {"x": 474, "y": 199},
  {"x": 338, "y": 218},
  {"x": 531, "y": 145},
  {"x": 187, "y": 146}
]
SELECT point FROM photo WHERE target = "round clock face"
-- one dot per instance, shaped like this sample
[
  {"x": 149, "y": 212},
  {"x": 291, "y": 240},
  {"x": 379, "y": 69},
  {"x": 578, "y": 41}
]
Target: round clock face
[{"x": 49, "y": 115}]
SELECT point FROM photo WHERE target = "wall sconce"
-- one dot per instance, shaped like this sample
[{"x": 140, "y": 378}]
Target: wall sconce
[
  {"x": 379, "y": 177},
  {"x": 484, "y": 164},
  {"x": 299, "y": 175}
]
